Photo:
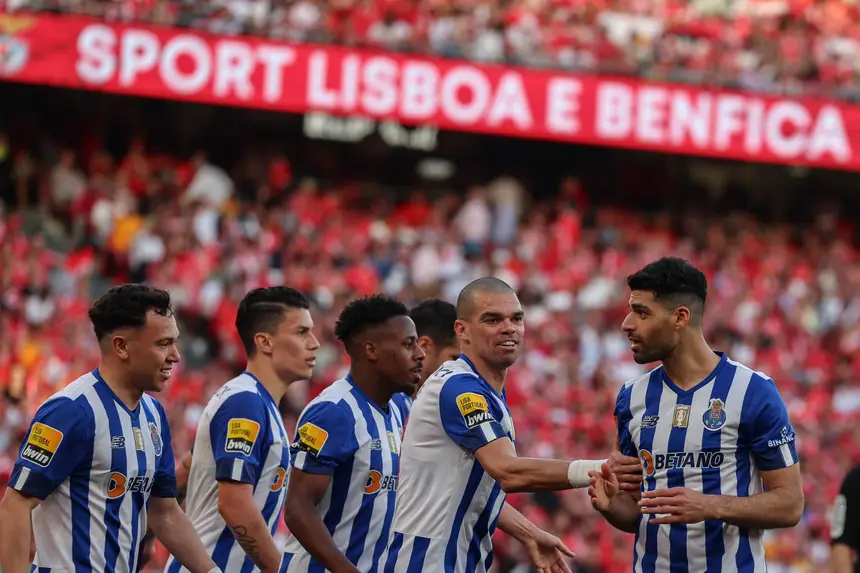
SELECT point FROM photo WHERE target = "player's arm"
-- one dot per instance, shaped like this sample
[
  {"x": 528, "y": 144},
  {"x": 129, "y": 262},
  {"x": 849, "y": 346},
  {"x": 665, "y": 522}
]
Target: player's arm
[
  {"x": 323, "y": 442},
  {"x": 58, "y": 439},
  {"x": 166, "y": 519},
  {"x": 845, "y": 524},
  {"x": 237, "y": 432},
  {"x": 472, "y": 419},
  {"x": 183, "y": 469}
]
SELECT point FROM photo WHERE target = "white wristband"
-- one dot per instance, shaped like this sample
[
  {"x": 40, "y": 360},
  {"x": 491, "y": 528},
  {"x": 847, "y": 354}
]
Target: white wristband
[{"x": 577, "y": 472}]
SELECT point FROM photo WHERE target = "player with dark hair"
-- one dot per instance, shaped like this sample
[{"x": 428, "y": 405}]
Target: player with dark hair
[
  {"x": 97, "y": 464},
  {"x": 459, "y": 460},
  {"x": 237, "y": 481},
  {"x": 345, "y": 458},
  {"x": 434, "y": 322},
  {"x": 716, "y": 444},
  {"x": 845, "y": 526}
]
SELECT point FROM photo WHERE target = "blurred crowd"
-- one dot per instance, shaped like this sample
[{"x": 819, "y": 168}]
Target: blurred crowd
[
  {"x": 786, "y": 303},
  {"x": 775, "y": 46}
]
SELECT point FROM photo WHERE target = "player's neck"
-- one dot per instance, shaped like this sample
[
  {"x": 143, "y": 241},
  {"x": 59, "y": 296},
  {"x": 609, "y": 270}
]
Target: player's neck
[
  {"x": 127, "y": 394},
  {"x": 495, "y": 377},
  {"x": 368, "y": 382},
  {"x": 690, "y": 363},
  {"x": 265, "y": 374}
]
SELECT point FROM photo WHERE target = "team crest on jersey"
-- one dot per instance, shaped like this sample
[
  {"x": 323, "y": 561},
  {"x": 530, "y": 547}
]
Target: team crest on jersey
[
  {"x": 241, "y": 435},
  {"x": 42, "y": 444},
  {"x": 312, "y": 438},
  {"x": 156, "y": 438},
  {"x": 714, "y": 417},
  {"x": 474, "y": 409}
]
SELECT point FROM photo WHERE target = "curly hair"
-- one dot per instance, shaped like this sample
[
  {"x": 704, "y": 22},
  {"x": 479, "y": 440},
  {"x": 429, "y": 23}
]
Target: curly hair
[
  {"x": 673, "y": 281},
  {"x": 366, "y": 312},
  {"x": 126, "y": 306}
]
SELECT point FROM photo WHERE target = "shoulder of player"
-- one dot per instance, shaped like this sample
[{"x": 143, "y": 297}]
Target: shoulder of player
[
  {"x": 630, "y": 384},
  {"x": 331, "y": 403}
]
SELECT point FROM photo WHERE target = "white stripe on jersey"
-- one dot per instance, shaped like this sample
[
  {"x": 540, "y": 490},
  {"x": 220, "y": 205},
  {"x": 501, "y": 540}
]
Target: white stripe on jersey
[
  {"x": 359, "y": 503},
  {"x": 715, "y": 438},
  {"x": 242, "y": 398}
]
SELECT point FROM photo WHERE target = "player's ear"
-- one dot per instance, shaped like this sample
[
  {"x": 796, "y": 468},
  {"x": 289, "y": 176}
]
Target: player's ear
[
  {"x": 263, "y": 342},
  {"x": 120, "y": 346},
  {"x": 425, "y": 342},
  {"x": 682, "y": 316},
  {"x": 461, "y": 328},
  {"x": 371, "y": 351}
]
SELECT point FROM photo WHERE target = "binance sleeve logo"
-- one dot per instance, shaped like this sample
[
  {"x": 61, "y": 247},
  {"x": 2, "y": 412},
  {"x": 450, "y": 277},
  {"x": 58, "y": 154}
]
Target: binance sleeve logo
[
  {"x": 312, "y": 438},
  {"x": 42, "y": 444},
  {"x": 474, "y": 409},
  {"x": 241, "y": 435}
]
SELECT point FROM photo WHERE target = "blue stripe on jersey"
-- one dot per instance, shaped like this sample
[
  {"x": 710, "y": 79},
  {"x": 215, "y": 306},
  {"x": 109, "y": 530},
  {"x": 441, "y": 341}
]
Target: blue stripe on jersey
[
  {"x": 119, "y": 465},
  {"x": 223, "y": 546},
  {"x": 273, "y": 500},
  {"x": 79, "y": 488},
  {"x": 394, "y": 552},
  {"x": 744, "y": 557},
  {"x": 361, "y": 523},
  {"x": 675, "y": 478},
  {"x": 646, "y": 442},
  {"x": 340, "y": 488},
  {"x": 285, "y": 563},
  {"x": 175, "y": 566},
  {"x": 482, "y": 529},
  {"x": 712, "y": 442},
  {"x": 382, "y": 542},
  {"x": 469, "y": 493},
  {"x": 140, "y": 496},
  {"x": 419, "y": 552}
]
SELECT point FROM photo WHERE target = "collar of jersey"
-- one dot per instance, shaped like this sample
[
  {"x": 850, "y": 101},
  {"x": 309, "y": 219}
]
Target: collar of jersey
[
  {"x": 489, "y": 386},
  {"x": 133, "y": 413},
  {"x": 366, "y": 398},
  {"x": 672, "y": 386},
  {"x": 260, "y": 388}
]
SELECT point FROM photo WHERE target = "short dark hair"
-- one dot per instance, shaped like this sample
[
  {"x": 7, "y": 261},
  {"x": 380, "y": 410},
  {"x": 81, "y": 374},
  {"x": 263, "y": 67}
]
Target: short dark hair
[
  {"x": 262, "y": 310},
  {"x": 367, "y": 312},
  {"x": 126, "y": 306},
  {"x": 673, "y": 281},
  {"x": 435, "y": 318},
  {"x": 466, "y": 299}
]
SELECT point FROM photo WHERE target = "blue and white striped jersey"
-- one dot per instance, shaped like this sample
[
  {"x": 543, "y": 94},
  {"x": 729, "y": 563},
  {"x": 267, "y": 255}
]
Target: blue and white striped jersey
[
  {"x": 404, "y": 405},
  {"x": 94, "y": 464},
  {"x": 344, "y": 434},
  {"x": 715, "y": 438},
  {"x": 240, "y": 437},
  {"x": 447, "y": 505}
]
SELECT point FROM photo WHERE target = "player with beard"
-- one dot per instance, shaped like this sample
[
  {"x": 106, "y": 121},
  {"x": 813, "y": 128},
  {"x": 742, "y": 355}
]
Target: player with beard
[
  {"x": 459, "y": 458},
  {"x": 346, "y": 455},
  {"x": 716, "y": 444}
]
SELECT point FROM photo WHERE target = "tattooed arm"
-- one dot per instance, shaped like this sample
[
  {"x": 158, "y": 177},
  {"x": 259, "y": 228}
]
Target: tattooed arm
[{"x": 237, "y": 507}]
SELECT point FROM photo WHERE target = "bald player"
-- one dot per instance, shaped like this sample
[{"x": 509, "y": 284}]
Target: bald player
[{"x": 458, "y": 459}]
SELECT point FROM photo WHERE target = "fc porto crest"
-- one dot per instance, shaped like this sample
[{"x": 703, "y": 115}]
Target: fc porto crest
[
  {"x": 714, "y": 417},
  {"x": 156, "y": 438}
]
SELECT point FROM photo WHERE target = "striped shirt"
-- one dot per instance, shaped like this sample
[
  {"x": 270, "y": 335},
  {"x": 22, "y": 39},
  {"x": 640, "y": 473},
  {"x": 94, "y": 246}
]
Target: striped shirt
[
  {"x": 447, "y": 505},
  {"x": 715, "y": 438},
  {"x": 94, "y": 464},
  {"x": 344, "y": 434},
  {"x": 241, "y": 438},
  {"x": 403, "y": 402}
]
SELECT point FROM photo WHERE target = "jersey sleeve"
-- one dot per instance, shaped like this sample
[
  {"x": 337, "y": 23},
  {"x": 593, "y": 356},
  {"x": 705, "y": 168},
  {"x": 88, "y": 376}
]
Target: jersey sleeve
[
  {"x": 164, "y": 484},
  {"x": 59, "y": 438},
  {"x": 622, "y": 421},
  {"x": 470, "y": 415},
  {"x": 325, "y": 439},
  {"x": 845, "y": 516},
  {"x": 771, "y": 436},
  {"x": 237, "y": 431}
]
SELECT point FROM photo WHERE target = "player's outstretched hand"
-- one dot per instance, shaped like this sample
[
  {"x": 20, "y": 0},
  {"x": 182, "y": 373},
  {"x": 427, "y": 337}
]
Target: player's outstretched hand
[
  {"x": 677, "y": 505},
  {"x": 547, "y": 553},
  {"x": 602, "y": 488},
  {"x": 628, "y": 469}
]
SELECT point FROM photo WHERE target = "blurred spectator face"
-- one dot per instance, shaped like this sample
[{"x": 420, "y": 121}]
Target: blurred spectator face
[
  {"x": 398, "y": 358},
  {"x": 651, "y": 327},
  {"x": 293, "y": 346},
  {"x": 495, "y": 329},
  {"x": 150, "y": 352}
]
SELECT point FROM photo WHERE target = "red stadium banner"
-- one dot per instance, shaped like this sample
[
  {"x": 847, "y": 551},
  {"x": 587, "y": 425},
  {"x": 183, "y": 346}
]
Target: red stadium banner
[{"x": 450, "y": 94}]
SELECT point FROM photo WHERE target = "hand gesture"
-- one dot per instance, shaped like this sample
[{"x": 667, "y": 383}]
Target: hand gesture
[
  {"x": 628, "y": 469},
  {"x": 603, "y": 488},
  {"x": 677, "y": 505},
  {"x": 547, "y": 553}
]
